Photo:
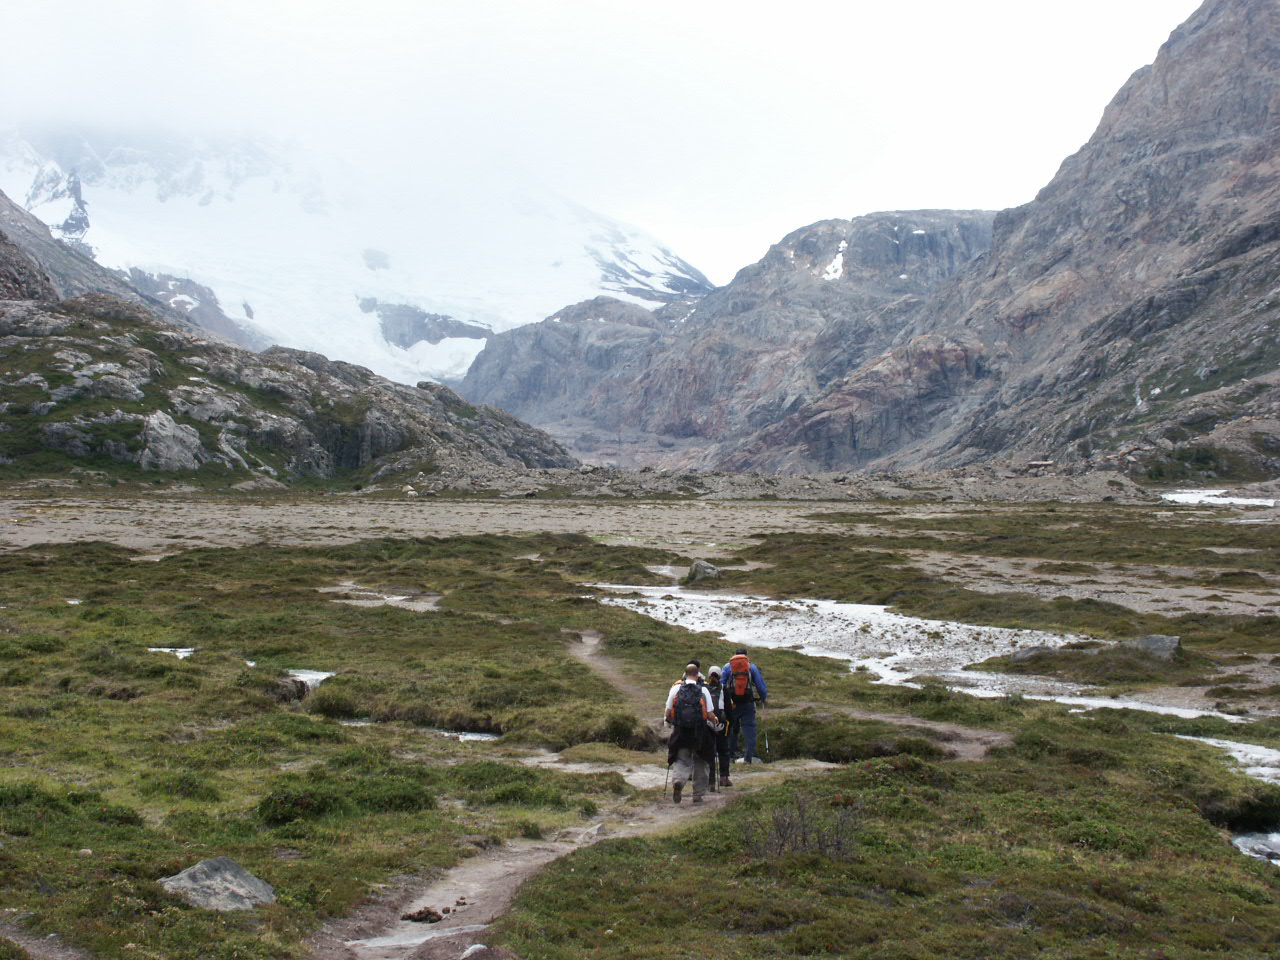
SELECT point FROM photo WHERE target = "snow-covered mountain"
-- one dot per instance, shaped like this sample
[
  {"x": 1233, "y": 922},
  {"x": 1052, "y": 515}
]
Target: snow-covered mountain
[{"x": 319, "y": 256}]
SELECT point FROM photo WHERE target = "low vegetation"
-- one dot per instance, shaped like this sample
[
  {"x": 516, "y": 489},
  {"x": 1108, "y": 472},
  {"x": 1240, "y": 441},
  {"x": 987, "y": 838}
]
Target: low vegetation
[
  {"x": 1086, "y": 838},
  {"x": 1089, "y": 835}
]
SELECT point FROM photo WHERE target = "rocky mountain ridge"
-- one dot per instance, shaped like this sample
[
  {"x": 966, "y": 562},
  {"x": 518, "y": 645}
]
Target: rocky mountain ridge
[
  {"x": 1126, "y": 316},
  {"x": 1129, "y": 311},
  {"x": 744, "y": 355}
]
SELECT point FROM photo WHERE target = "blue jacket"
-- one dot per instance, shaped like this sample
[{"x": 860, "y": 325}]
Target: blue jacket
[{"x": 756, "y": 677}]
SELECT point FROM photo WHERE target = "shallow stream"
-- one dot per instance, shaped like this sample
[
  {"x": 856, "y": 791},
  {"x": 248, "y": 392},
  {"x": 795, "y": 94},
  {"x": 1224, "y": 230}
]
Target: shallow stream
[{"x": 905, "y": 650}]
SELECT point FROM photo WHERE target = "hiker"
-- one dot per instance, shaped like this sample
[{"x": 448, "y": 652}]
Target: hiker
[
  {"x": 691, "y": 748},
  {"x": 722, "y": 735},
  {"x": 743, "y": 685}
]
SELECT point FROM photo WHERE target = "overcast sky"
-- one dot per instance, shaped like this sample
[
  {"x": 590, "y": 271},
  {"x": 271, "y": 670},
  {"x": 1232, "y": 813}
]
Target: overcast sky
[{"x": 717, "y": 126}]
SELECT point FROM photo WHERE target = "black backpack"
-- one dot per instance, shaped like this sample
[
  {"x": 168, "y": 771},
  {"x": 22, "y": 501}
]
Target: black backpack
[
  {"x": 689, "y": 707},
  {"x": 714, "y": 688}
]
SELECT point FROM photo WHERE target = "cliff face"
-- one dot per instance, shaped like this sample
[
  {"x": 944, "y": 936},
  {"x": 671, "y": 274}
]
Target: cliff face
[
  {"x": 1130, "y": 311},
  {"x": 821, "y": 301},
  {"x": 21, "y": 278}
]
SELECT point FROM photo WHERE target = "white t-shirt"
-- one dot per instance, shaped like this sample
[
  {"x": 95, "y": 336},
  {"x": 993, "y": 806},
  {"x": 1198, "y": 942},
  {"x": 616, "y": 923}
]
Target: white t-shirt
[{"x": 706, "y": 698}]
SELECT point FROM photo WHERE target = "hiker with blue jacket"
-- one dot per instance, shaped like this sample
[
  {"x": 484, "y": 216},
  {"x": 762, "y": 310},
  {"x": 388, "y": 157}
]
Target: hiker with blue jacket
[
  {"x": 743, "y": 685},
  {"x": 691, "y": 747}
]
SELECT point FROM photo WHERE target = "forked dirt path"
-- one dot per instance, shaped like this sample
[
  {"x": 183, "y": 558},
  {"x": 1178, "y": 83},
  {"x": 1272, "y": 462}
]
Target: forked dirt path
[{"x": 589, "y": 653}]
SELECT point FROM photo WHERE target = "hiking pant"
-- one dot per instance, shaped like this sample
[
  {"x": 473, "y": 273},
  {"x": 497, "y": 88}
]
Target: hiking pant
[
  {"x": 722, "y": 753},
  {"x": 744, "y": 726},
  {"x": 690, "y": 764}
]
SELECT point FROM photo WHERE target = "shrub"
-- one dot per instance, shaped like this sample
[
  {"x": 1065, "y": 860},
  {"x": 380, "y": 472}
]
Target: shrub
[
  {"x": 188, "y": 785},
  {"x": 296, "y": 800},
  {"x": 803, "y": 825}
]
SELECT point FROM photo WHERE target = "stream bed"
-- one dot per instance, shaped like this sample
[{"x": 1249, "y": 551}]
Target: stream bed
[{"x": 906, "y": 650}]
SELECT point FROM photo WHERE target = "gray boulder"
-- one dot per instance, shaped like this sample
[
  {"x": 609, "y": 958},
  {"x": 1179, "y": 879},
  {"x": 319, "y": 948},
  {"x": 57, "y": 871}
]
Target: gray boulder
[
  {"x": 1029, "y": 653},
  {"x": 115, "y": 388},
  {"x": 701, "y": 570},
  {"x": 169, "y": 445},
  {"x": 1158, "y": 645},
  {"x": 220, "y": 884}
]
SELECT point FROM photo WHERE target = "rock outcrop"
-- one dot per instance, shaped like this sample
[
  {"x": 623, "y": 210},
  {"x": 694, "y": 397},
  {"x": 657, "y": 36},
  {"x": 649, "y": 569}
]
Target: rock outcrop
[
  {"x": 103, "y": 382},
  {"x": 404, "y": 324},
  {"x": 21, "y": 278}
]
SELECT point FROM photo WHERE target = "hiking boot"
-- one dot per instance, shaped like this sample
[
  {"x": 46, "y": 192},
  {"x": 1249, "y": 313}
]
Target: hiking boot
[
  {"x": 697, "y": 798},
  {"x": 726, "y": 782},
  {"x": 675, "y": 791}
]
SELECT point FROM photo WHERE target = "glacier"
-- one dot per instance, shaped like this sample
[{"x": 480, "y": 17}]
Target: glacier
[{"x": 290, "y": 243}]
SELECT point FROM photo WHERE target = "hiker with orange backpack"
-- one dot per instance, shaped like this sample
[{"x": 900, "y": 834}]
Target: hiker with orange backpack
[
  {"x": 743, "y": 686},
  {"x": 691, "y": 747}
]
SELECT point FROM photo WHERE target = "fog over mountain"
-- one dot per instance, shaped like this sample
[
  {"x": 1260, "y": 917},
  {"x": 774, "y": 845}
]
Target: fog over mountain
[
  {"x": 272, "y": 244},
  {"x": 717, "y": 127}
]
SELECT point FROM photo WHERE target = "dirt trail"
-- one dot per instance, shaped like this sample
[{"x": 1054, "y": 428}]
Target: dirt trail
[
  {"x": 589, "y": 653},
  {"x": 51, "y": 947},
  {"x": 479, "y": 890}
]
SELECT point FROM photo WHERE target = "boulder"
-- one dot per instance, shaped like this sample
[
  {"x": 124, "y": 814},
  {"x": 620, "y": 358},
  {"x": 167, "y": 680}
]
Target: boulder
[
  {"x": 1159, "y": 645},
  {"x": 288, "y": 689},
  {"x": 112, "y": 387},
  {"x": 220, "y": 884},
  {"x": 701, "y": 570},
  {"x": 1029, "y": 653},
  {"x": 169, "y": 445}
]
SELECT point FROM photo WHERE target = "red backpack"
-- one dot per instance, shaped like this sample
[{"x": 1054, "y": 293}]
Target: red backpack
[{"x": 741, "y": 687}]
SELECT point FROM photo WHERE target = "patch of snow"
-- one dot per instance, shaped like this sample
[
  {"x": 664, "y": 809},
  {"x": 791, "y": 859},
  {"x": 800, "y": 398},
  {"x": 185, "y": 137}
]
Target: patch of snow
[
  {"x": 1215, "y": 498},
  {"x": 835, "y": 269},
  {"x": 180, "y": 652},
  {"x": 903, "y": 276},
  {"x": 312, "y": 678},
  {"x": 919, "y": 233}
]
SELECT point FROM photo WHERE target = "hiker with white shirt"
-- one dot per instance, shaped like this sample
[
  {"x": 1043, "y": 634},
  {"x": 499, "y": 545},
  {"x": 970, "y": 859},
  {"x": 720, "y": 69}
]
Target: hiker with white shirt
[{"x": 691, "y": 747}]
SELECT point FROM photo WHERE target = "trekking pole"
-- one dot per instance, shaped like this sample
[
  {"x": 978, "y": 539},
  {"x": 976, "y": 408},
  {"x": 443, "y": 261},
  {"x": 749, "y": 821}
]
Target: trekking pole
[{"x": 764, "y": 727}]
